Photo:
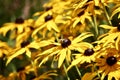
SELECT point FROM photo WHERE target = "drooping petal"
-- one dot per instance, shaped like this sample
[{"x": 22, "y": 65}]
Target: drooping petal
[
  {"x": 19, "y": 52},
  {"x": 82, "y": 37},
  {"x": 89, "y": 76},
  {"x": 62, "y": 57}
]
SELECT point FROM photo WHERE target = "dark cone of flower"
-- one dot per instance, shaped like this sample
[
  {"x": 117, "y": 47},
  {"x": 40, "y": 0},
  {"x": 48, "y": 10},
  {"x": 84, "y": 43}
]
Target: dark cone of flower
[
  {"x": 88, "y": 52},
  {"x": 80, "y": 14},
  {"x": 85, "y": 7},
  {"x": 48, "y": 17},
  {"x": 19, "y": 21},
  {"x": 25, "y": 43},
  {"x": 48, "y": 8},
  {"x": 97, "y": 7},
  {"x": 65, "y": 43},
  {"x": 111, "y": 60},
  {"x": 31, "y": 28}
]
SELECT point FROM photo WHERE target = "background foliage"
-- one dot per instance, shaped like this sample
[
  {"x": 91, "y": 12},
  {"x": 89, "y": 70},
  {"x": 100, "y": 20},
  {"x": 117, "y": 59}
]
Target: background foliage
[{"x": 11, "y": 9}]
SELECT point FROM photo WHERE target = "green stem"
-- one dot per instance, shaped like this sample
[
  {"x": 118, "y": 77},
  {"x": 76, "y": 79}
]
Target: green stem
[
  {"x": 95, "y": 69},
  {"x": 78, "y": 71},
  {"x": 66, "y": 72},
  {"x": 95, "y": 24},
  {"x": 106, "y": 14}
]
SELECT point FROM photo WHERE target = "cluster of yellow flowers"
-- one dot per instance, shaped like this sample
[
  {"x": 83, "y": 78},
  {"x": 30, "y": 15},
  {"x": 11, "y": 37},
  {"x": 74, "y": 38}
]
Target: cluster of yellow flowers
[{"x": 77, "y": 38}]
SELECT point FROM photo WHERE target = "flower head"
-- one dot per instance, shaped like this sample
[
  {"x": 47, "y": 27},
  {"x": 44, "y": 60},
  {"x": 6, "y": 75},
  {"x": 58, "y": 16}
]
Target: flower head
[
  {"x": 111, "y": 36},
  {"x": 18, "y": 26},
  {"x": 109, "y": 64},
  {"x": 62, "y": 48},
  {"x": 89, "y": 55}
]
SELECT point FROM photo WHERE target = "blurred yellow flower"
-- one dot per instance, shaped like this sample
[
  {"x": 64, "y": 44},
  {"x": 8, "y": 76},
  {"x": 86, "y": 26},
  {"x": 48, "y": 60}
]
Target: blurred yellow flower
[
  {"x": 109, "y": 64},
  {"x": 112, "y": 36},
  {"x": 19, "y": 25},
  {"x": 5, "y": 49},
  {"x": 47, "y": 75},
  {"x": 46, "y": 20},
  {"x": 23, "y": 49},
  {"x": 62, "y": 48},
  {"x": 87, "y": 56}
]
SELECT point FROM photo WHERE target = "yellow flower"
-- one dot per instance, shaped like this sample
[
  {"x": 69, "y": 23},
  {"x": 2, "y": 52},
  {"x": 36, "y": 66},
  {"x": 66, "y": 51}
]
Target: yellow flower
[
  {"x": 25, "y": 48},
  {"x": 112, "y": 36},
  {"x": 80, "y": 15},
  {"x": 4, "y": 49},
  {"x": 87, "y": 5},
  {"x": 87, "y": 56},
  {"x": 57, "y": 6},
  {"x": 25, "y": 72},
  {"x": 109, "y": 64},
  {"x": 19, "y": 25},
  {"x": 47, "y": 75},
  {"x": 30, "y": 68},
  {"x": 23, "y": 36},
  {"x": 79, "y": 28},
  {"x": 62, "y": 49},
  {"x": 46, "y": 20}
]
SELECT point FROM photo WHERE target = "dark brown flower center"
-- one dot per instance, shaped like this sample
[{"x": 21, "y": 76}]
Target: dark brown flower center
[
  {"x": 80, "y": 14},
  {"x": 19, "y": 21},
  {"x": 85, "y": 7},
  {"x": 25, "y": 43},
  {"x": 97, "y": 7},
  {"x": 88, "y": 52},
  {"x": 48, "y": 8},
  {"x": 31, "y": 27},
  {"x": 48, "y": 17},
  {"x": 65, "y": 43},
  {"x": 111, "y": 60}
]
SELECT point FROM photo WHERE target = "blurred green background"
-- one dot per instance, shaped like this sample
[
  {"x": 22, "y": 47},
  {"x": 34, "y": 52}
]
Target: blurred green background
[{"x": 12, "y": 9}]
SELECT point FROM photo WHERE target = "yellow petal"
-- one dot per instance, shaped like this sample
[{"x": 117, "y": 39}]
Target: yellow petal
[
  {"x": 68, "y": 56},
  {"x": 34, "y": 44},
  {"x": 89, "y": 76},
  {"x": 61, "y": 57},
  {"x": 76, "y": 22},
  {"x": 118, "y": 16},
  {"x": 81, "y": 4},
  {"x": 81, "y": 37},
  {"x": 109, "y": 38},
  {"x": 44, "y": 43},
  {"x": 54, "y": 26},
  {"x": 20, "y": 38},
  {"x": 117, "y": 41},
  {"x": 19, "y": 52},
  {"x": 44, "y": 60},
  {"x": 37, "y": 13},
  {"x": 48, "y": 51},
  {"x": 107, "y": 27},
  {"x": 115, "y": 11},
  {"x": 38, "y": 29},
  {"x": 74, "y": 62},
  {"x": 28, "y": 52},
  {"x": 5, "y": 28},
  {"x": 20, "y": 28}
]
